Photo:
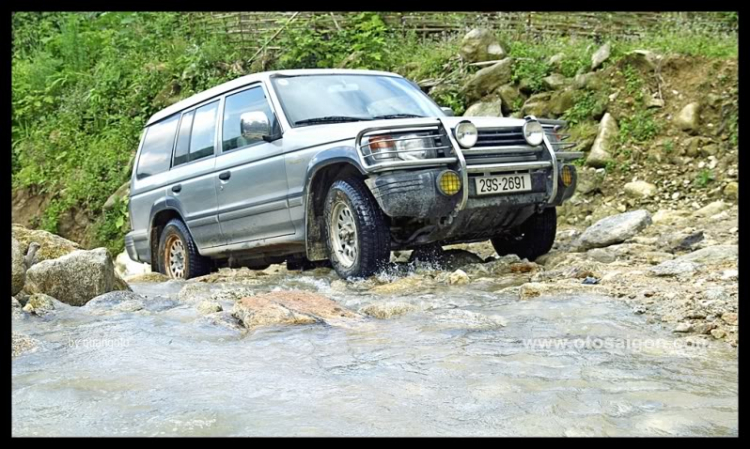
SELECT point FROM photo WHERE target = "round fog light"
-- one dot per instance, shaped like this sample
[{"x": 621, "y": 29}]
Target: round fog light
[
  {"x": 466, "y": 134},
  {"x": 566, "y": 175},
  {"x": 449, "y": 183}
]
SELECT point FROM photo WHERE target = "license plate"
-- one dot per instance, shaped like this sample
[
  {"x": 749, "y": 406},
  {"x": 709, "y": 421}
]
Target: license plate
[{"x": 490, "y": 185}]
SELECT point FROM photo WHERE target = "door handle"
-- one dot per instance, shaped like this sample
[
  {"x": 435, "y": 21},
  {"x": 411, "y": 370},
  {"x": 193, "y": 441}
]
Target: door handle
[
  {"x": 225, "y": 175},
  {"x": 176, "y": 188}
]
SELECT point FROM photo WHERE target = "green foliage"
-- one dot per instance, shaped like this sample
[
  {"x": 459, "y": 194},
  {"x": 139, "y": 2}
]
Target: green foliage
[
  {"x": 530, "y": 65},
  {"x": 364, "y": 44},
  {"x": 588, "y": 105},
  {"x": 668, "y": 146},
  {"x": 639, "y": 126},
  {"x": 704, "y": 177},
  {"x": 112, "y": 226}
]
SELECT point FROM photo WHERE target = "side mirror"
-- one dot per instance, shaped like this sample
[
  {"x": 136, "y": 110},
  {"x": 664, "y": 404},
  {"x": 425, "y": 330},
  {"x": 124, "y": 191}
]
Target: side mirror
[
  {"x": 448, "y": 111},
  {"x": 256, "y": 125}
]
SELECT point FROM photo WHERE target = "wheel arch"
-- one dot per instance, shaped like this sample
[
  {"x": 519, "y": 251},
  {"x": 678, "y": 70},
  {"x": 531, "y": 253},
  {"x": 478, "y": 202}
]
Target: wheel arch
[{"x": 325, "y": 168}]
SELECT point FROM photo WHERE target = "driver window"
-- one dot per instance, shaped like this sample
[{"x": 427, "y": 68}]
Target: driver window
[{"x": 243, "y": 126}]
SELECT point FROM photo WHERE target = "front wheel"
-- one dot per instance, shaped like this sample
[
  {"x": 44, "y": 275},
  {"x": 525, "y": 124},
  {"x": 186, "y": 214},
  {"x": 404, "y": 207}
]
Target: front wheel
[
  {"x": 533, "y": 238},
  {"x": 356, "y": 232},
  {"x": 178, "y": 255}
]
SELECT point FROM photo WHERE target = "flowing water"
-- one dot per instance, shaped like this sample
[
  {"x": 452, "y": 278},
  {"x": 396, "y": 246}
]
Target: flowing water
[{"x": 567, "y": 366}]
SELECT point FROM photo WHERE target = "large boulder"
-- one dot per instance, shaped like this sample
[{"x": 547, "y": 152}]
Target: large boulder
[
  {"x": 561, "y": 101},
  {"x": 615, "y": 229},
  {"x": 51, "y": 246},
  {"x": 289, "y": 307},
  {"x": 481, "y": 45},
  {"x": 491, "y": 107},
  {"x": 644, "y": 60},
  {"x": 601, "y": 151},
  {"x": 75, "y": 278},
  {"x": 600, "y": 55},
  {"x": 18, "y": 268},
  {"x": 689, "y": 118},
  {"x": 488, "y": 79},
  {"x": 39, "y": 304},
  {"x": 537, "y": 105}
]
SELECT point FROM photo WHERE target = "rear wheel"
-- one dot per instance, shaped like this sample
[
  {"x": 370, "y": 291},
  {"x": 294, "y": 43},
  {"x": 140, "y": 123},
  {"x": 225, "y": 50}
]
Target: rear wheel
[
  {"x": 533, "y": 238},
  {"x": 178, "y": 255},
  {"x": 356, "y": 232}
]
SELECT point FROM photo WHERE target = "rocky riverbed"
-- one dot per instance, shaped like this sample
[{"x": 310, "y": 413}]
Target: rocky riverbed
[{"x": 628, "y": 327}]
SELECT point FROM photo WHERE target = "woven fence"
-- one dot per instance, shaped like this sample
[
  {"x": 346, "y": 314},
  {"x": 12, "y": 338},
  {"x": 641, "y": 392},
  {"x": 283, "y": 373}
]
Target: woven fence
[{"x": 251, "y": 29}]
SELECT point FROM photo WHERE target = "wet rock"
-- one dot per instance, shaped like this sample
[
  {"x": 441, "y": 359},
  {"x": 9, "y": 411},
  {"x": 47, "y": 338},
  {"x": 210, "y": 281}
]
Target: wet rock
[
  {"x": 614, "y": 229},
  {"x": 718, "y": 333},
  {"x": 405, "y": 285},
  {"x": 18, "y": 268},
  {"x": 488, "y": 79},
  {"x": 240, "y": 276},
  {"x": 208, "y": 307},
  {"x": 51, "y": 246},
  {"x": 458, "y": 277},
  {"x": 465, "y": 319},
  {"x": 22, "y": 344},
  {"x": 289, "y": 308},
  {"x": 711, "y": 209},
  {"x": 600, "y": 55},
  {"x": 480, "y": 45},
  {"x": 16, "y": 308},
  {"x": 491, "y": 107},
  {"x": 601, "y": 151},
  {"x": 554, "y": 82},
  {"x": 675, "y": 267},
  {"x": 223, "y": 318},
  {"x": 232, "y": 294},
  {"x": 683, "y": 328},
  {"x": 75, "y": 278},
  {"x": 640, "y": 189},
  {"x": 147, "y": 277},
  {"x": 39, "y": 304},
  {"x": 194, "y": 293},
  {"x": 689, "y": 118},
  {"x": 118, "y": 301},
  {"x": 387, "y": 309},
  {"x": 126, "y": 267},
  {"x": 712, "y": 255}
]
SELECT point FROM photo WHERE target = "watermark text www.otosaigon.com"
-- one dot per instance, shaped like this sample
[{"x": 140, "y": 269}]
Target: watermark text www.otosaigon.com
[{"x": 632, "y": 344}]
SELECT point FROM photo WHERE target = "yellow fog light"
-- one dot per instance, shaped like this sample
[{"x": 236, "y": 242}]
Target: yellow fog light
[
  {"x": 566, "y": 175},
  {"x": 449, "y": 183}
]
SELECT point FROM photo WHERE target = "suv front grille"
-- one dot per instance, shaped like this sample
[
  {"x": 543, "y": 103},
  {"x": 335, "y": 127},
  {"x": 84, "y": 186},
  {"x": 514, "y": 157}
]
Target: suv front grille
[
  {"x": 499, "y": 145},
  {"x": 492, "y": 137}
]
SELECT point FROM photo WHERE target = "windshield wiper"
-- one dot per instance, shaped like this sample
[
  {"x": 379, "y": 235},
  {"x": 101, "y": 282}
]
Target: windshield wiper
[
  {"x": 387, "y": 116},
  {"x": 330, "y": 119}
]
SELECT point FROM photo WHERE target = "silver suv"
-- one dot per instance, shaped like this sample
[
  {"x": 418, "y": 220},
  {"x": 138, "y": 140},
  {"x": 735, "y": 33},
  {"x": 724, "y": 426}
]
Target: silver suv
[{"x": 342, "y": 165}]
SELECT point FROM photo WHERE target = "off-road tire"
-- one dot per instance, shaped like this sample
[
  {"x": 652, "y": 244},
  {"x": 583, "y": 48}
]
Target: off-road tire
[
  {"x": 372, "y": 230},
  {"x": 194, "y": 264},
  {"x": 533, "y": 238}
]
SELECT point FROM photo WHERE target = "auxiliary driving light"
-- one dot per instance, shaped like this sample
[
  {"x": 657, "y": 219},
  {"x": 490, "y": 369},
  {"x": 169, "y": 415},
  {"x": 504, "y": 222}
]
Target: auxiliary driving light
[
  {"x": 566, "y": 175},
  {"x": 533, "y": 133},
  {"x": 449, "y": 183}
]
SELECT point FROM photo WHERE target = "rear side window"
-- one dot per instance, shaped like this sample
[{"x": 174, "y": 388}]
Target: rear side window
[
  {"x": 157, "y": 148},
  {"x": 235, "y": 106},
  {"x": 183, "y": 139},
  {"x": 204, "y": 131}
]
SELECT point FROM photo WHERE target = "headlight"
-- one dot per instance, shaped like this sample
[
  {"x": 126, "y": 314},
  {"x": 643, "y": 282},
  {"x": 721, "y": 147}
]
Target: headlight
[
  {"x": 466, "y": 134},
  {"x": 533, "y": 133},
  {"x": 407, "y": 147}
]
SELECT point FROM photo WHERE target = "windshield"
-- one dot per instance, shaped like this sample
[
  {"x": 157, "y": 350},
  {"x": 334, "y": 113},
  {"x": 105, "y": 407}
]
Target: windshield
[{"x": 313, "y": 99}]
